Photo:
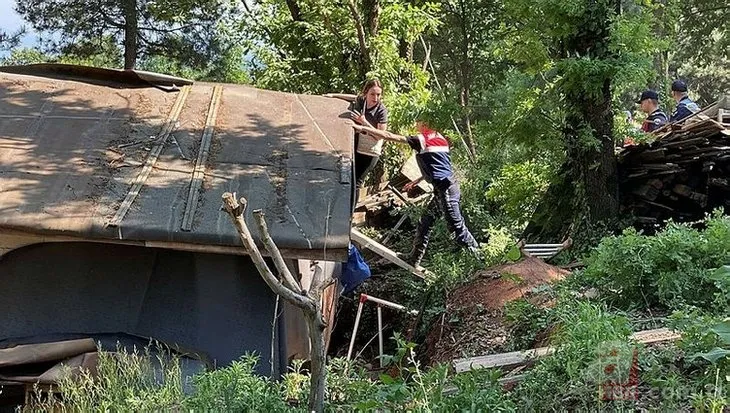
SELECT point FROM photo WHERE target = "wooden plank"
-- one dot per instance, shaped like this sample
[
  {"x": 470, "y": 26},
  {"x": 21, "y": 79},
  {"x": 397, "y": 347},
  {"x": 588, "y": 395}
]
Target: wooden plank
[
  {"x": 151, "y": 158},
  {"x": 517, "y": 358},
  {"x": 703, "y": 120},
  {"x": 399, "y": 195},
  {"x": 656, "y": 336},
  {"x": 542, "y": 249},
  {"x": 542, "y": 253},
  {"x": 502, "y": 360},
  {"x": 394, "y": 229},
  {"x": 686, "y": 142},
  {"x": 199, "y": 171},
  {"x": 376, "y": 247},
  {"x": 359, "y": 218},
  {"x": 545, "y": 252},
  {"x": 411, "y": 171}
]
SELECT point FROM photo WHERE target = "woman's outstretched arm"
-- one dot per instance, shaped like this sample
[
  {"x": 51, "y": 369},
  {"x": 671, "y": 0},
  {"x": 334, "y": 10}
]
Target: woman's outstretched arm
[{"x": 380, "y": 134}]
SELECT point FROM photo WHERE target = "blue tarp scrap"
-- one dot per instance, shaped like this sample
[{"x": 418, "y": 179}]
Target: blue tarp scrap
[{"x": 354, "y": 272}]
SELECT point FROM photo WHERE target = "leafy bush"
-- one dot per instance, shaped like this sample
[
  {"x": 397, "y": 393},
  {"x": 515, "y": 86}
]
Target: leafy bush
[
  {"x": 125, "y": 381},
  {"x": 715, "y": 401},
  {"x": 526, "y": 321},
  {"x": 236, "y": 388},
  {"x": 673, "y": 269},
  {"x": 519, "y": 188},
  {"x": 695, "y": 326},
  {"x": 563, "y": 381},
  {"x": 138, "y": 382}
]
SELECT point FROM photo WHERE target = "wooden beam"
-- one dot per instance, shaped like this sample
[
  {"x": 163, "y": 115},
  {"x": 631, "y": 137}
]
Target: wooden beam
[
  {"x": 383, "y": 251},
  {"x": 517, "y": 358},
  {"x": 502, "y": 360},
  {"x": 399, "y": 195}
]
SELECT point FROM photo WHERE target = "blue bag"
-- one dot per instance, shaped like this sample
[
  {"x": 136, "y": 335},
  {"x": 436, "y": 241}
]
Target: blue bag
[{"x": 354, "y": 271}]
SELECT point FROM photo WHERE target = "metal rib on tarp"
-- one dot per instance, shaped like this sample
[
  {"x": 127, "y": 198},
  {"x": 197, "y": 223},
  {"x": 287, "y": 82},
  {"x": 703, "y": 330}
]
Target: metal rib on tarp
[{"x": 70, "y": 152}]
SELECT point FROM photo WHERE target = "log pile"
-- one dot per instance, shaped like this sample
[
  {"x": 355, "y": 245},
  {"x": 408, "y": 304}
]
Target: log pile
[{"x": 683, "y": 174}]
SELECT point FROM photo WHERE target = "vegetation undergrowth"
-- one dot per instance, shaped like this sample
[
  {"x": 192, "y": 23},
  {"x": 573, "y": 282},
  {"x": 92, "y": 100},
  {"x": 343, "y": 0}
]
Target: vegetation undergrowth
[
  {"x": 672, "y": 269},
  {"x": 594, "y": 312},
  {"x": 136, "y": 382},
  {"x": 668, "y": 279}
]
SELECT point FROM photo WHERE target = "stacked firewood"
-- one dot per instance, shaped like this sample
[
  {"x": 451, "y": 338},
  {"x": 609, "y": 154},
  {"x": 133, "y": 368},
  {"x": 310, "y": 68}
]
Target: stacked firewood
[{"x": 683, "y": 174}]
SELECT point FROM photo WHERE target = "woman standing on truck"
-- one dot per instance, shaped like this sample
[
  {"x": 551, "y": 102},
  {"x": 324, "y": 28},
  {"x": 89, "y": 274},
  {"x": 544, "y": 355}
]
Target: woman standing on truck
[{"x": 367, "y": 109}]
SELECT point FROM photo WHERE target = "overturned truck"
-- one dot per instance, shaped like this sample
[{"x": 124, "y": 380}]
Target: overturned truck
[{"x": 111, "y": 226}]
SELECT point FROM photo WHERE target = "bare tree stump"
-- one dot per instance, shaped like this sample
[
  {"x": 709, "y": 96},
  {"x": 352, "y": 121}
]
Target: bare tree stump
[{"x": 287, "y": 287}]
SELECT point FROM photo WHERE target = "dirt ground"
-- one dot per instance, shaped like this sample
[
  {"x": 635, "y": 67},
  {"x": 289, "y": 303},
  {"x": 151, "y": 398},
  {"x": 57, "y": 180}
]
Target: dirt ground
[{"x": 473, "y": 323}]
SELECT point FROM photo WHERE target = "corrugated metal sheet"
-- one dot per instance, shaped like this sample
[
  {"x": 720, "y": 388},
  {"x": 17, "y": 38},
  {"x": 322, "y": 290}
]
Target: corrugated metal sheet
[{"x": 71, "y": 151}]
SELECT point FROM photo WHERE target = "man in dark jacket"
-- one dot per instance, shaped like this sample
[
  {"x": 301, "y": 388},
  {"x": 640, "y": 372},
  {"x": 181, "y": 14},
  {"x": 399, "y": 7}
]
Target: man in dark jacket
[
  {"x": 432, "y": 155},
  {"x": 685, "y": 106},
  {"x": 655, "y": 118}
]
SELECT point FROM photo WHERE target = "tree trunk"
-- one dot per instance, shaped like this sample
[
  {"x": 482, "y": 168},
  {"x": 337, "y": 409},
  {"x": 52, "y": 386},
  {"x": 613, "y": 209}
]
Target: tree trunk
[
  {"x": 318, "y": 359},
  {"x": 587, "y": 191},
  {"x": 661, "y": 59},
  {"x": 465, "y": 110},
  {"x": 130, "y": 33},
  {"x": 465, "y": 69},
  {"x": 372, "y": 15},
  {"x": 286, "y": 286},
  {"x": 405, "y": 50},
  {"x": 365, "y": 62},
  {"x": 294, "y": 10},
  {"x": 594, "y": 169}
]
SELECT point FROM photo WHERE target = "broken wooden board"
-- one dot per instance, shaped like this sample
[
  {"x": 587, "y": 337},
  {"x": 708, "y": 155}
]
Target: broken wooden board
[
  {"x": 517, "y": 358},
  {"x": 411, "y": 171},
  {"x": 657, "y": 335},
  {"x": 502, "y": 360},
  {"x": 374, "y": 246}
]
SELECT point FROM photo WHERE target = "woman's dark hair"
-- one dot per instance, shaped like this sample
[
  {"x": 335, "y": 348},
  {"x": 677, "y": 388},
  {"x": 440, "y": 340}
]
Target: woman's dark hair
[{"x": 369, "y": 84}]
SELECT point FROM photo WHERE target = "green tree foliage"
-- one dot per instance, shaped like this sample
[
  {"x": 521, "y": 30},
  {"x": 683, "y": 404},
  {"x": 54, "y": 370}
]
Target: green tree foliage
[
  {"x": 703, "y": 24},
  {"x": 542, "y": 80},
  {"x": 519, "y": 189},
  {"x": 179, "y": 30},
  {"x": 462, "y": 55},
  {"x": 104, "y": 53},
  {"x": 10, "y": 40},
  {"x": 572, "y": 63},
  {"x": 673, "y": 269},
  {"x": 24, "y": 56},
  {"x": 697, "y": 47},
  {"x": 316, "y": 46}
]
